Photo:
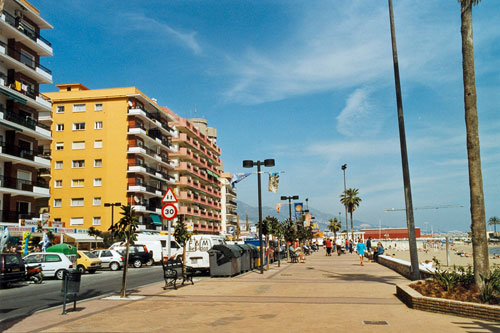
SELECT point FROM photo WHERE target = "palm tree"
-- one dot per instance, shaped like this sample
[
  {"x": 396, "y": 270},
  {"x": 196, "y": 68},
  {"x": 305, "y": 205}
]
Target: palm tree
[
  {"x": 334, "y": 226},
  {"x": 478, "y": 216},
  {"x": 494, "y": 221},
  {"x": 351, "y": 200}
]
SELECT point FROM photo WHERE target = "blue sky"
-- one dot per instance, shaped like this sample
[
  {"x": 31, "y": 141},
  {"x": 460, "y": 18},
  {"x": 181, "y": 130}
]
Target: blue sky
[{"x": 309, "y": 83}]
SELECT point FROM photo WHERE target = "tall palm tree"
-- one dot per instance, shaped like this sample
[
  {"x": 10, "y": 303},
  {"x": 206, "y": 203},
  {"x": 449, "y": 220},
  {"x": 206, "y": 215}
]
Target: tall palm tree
[
  {"x": 351, "y": 200},
  {"x": 334, "y": 226},
  {"x": 478, "y": 216},
  {"x": 494, "y": 221}
]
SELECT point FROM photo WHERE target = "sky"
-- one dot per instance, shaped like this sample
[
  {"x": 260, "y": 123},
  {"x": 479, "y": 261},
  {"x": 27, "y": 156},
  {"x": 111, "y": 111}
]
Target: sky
[{"x": 310, "y": 84}]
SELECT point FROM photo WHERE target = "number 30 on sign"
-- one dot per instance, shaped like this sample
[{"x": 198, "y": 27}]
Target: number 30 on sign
[{"x": 169, "y": 212}]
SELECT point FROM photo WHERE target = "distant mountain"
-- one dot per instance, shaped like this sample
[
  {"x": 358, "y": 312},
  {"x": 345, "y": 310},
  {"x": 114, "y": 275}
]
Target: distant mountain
[{"x": 320, "y": 217}]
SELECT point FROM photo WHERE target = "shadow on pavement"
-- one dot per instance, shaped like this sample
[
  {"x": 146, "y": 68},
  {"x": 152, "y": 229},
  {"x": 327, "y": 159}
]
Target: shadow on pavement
[{"x": 475, "y": 326}]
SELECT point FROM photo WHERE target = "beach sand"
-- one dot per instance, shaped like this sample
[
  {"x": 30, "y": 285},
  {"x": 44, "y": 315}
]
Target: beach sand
[{"x": 440, "y": 254}]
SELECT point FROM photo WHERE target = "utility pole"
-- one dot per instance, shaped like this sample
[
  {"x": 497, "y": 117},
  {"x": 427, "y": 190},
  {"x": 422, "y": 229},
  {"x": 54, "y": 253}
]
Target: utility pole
[{"x": 415, "y": 272}]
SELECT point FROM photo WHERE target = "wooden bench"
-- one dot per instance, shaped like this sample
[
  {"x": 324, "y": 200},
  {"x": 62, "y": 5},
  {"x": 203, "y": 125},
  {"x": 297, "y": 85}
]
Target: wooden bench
[{"x": 172, "y": 271}]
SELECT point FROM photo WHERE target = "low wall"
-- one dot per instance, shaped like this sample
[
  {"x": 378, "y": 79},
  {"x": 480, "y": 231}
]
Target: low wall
[
  {"x": 403, "y": 267},
  {"x": 415, "y": 300}
]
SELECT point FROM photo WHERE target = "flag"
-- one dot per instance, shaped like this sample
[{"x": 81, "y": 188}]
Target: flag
[
  {"x": 278, "y": 208},
  {"x": 307, "y": 220},
  {"x": 274, "y": 179},
  {"x": 298, "y": 207},
  {"x": 238, "y": 177}
]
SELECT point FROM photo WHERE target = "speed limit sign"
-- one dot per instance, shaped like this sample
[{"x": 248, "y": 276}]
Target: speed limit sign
[{"x": 169, "y": 212}]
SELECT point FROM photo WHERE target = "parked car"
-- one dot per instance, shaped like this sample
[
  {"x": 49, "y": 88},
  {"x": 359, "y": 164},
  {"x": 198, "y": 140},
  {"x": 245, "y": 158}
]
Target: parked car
[
  {"x": 110, "y": 259},
  {"x": 53, "y": 264},
  {"x": 87, "y": 262},
  {"x": 12, "y": 268},
  {"x": 138, "y": 254}
]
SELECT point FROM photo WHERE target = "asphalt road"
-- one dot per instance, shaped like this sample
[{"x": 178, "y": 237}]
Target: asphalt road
[{"x": 22, "y": 299}]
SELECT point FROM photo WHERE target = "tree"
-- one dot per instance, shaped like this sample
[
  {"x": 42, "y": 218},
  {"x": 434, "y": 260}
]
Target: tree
[
  {"x": 289, "y": 233},
  {"x": 267, "y": 229},
  {"x": 494, "y": 221},
  {"x": 182, "y": 235},
  {"x": 478, "y": 216},
  {"x": 126, "y": 229},
  {"x": 95, "y": 232},
  {"x": 334, "y": 226},
  {"x": 277, "y": 231},
  {"x": 350, "y": 199}
]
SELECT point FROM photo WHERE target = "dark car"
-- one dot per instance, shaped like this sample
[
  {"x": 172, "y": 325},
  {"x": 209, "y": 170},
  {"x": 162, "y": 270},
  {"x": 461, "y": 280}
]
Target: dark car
[
  {"x": 12, "y": 268},
  {"x": 138, "y": 254}
]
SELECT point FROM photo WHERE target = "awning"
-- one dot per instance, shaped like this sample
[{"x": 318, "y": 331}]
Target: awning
[
  {"x": 211, "y": 173},
  {"x": 11, "y": 95},
  {"x": 83, "y": 238},
  {"x": 156, "y": 219}
]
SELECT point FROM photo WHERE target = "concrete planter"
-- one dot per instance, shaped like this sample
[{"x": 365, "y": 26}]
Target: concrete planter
[{"x": 415, "y": 300}]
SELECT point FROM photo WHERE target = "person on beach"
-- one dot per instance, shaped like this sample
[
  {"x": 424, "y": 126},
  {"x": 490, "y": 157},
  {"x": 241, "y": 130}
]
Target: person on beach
[
  {"x": 346, "y": 245},
  {"x": 361, "y": 248},
  {"x": 339, "y": 246},
  {"x": 328, "y": 244}
]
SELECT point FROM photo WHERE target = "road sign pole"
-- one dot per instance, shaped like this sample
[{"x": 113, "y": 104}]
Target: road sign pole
[{"x": 169, "y": 223}]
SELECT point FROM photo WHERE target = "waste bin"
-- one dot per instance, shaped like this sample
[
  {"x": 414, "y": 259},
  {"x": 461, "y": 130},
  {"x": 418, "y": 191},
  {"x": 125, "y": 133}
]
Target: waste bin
[
  {"x": 257, "y": 261},
  {"x": 254, "y": 255},
  {"x": 225, "y": 260},
  {"x": 71, "y": 282},
  {"x": 246, "y": 257}
]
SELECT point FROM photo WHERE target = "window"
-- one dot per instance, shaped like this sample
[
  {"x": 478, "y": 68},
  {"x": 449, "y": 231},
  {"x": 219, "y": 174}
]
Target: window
[
  {"x": 77, "y": 183},
  {"x": 98, "y": 125},
  {"x": 98, "y": 107},
  {"x": 52, "y": 258},
  {"x": 58, "y": 183},
  {"x": 97, "y": 220},
  {"x": 57, "y": 202},
  {"x": 60, "y": 109},
  {"x": 97, "y": 201},
  {"x": 60, "y": 127},
  {"x": 78, "y": 107},
  {"x": 98, "y": 163},
  {"x": 76, "y": 202},
  {"x": 98, "y": 144},
  {"x": 78, "y": 126},
  {"x": 59, "y": 145},
  {"x": 58, "y": 165},
  {"x": 77, "y": 164},
  {"x": 78, "y": 145},
  {"x": 57, "y": 220},
  {"x": 76, "y": 221},
  {"x": 28, "y": 59},
  {"x": 97, "y": 181}
]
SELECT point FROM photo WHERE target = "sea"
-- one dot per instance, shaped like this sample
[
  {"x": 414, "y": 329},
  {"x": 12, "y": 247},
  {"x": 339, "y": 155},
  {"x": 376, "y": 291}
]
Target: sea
[{"x": 494, "y": 250}]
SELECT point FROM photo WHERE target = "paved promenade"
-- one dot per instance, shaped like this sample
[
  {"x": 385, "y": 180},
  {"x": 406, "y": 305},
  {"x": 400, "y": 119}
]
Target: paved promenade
[{"x": 324, "y": 293}]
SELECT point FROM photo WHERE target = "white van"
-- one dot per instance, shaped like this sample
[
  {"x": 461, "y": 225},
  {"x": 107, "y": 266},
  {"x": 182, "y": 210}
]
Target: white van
[
  {"x": 175, "y": 248},
  {"x": 197, "y": 250}
]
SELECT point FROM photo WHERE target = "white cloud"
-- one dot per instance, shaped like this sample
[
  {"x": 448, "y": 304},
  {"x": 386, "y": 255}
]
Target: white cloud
[
  {"x": 358, "y": 118},
  {"x": 159, "y": 30}
]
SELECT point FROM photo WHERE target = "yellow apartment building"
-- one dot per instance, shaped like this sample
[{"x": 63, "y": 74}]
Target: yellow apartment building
[{"x": 109, "y": 146}]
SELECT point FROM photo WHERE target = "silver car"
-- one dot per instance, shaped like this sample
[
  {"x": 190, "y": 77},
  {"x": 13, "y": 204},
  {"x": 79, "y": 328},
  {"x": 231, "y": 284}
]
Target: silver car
[{"x": 110, "y": 258}]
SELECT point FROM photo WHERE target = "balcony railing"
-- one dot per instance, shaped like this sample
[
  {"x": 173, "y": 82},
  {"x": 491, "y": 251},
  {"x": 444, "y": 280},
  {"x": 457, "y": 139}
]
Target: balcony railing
[
  {"x": 10, "y": 19},
  {"x": 20, "y": 184},
  {"x": 24, "y": 121},
  {"x": 15, "y": 54},
  {"x": 10, "y": 149},
  {"x": 14, "y": 216}
]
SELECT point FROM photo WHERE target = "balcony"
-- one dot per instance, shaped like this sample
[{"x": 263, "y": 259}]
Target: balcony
[
  {"x": 208, "y": 202},
  {"x": 20, "y": 32},
  {"x": 144, "y": 206},
  {"x": 16, "y": 60},
  {"x": 16, "y": 186},
  {"x": 19, "y": 92},
  {"x": 153, "y": 119},
  {"x": 186, "y": 124},
  {"x": 14, "y": 216},
  {"x": 184, "y": 138},
  {"x": 31, "y": 126},
  {"x": 20, "y": 155},
  {"x": 146, "y": 189},
  {"x": 151, "y": 155}
]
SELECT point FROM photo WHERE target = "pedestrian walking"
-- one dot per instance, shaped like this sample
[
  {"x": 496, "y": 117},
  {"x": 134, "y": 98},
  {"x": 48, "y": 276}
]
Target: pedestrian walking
[
  {"x": 361, "y": 248},
  {"x": 369, "y": 244},
  {"x": 328, "y": 244},
  {"x": 339, "y": 246},
  {"x": 350, "y": 246}
]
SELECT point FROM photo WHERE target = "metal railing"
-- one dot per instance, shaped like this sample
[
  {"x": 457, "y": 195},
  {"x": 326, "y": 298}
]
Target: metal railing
[
  {"x": 28, "y": 62},
  {"x": 10, "y": 19},
  {"x": 20, "y": 184},
  {"x": 23, "y": 120},
  {"x": 14, "y": 216}
]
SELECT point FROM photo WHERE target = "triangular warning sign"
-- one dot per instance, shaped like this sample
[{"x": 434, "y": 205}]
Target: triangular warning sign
[{"x": 169, "y": 196}]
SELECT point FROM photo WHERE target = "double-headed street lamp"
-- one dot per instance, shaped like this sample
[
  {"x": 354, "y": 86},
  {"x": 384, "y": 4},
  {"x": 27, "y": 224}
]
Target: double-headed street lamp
[
  {"x": 251, "y": 164},
  {"x": 112, "y": 205},
  {"x": 290, "y": 198}
]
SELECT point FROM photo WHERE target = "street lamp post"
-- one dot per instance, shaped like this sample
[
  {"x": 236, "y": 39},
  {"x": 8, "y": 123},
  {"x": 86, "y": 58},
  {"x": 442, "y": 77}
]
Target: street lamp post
[
  {"x": 112, "y": 205},
  {"x": 346, "y": 224},
  {"x": 290, "y": 198},
  {"x": 251, "y": 164}
]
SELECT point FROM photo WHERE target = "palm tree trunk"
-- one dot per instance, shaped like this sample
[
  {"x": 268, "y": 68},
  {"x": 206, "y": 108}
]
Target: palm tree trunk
[
  {"x": 123, "y": 292},
  {"x": 267, "y": 251},
  {"x": 478, "y": 225},
  {"x": 352, "y": 227}
]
